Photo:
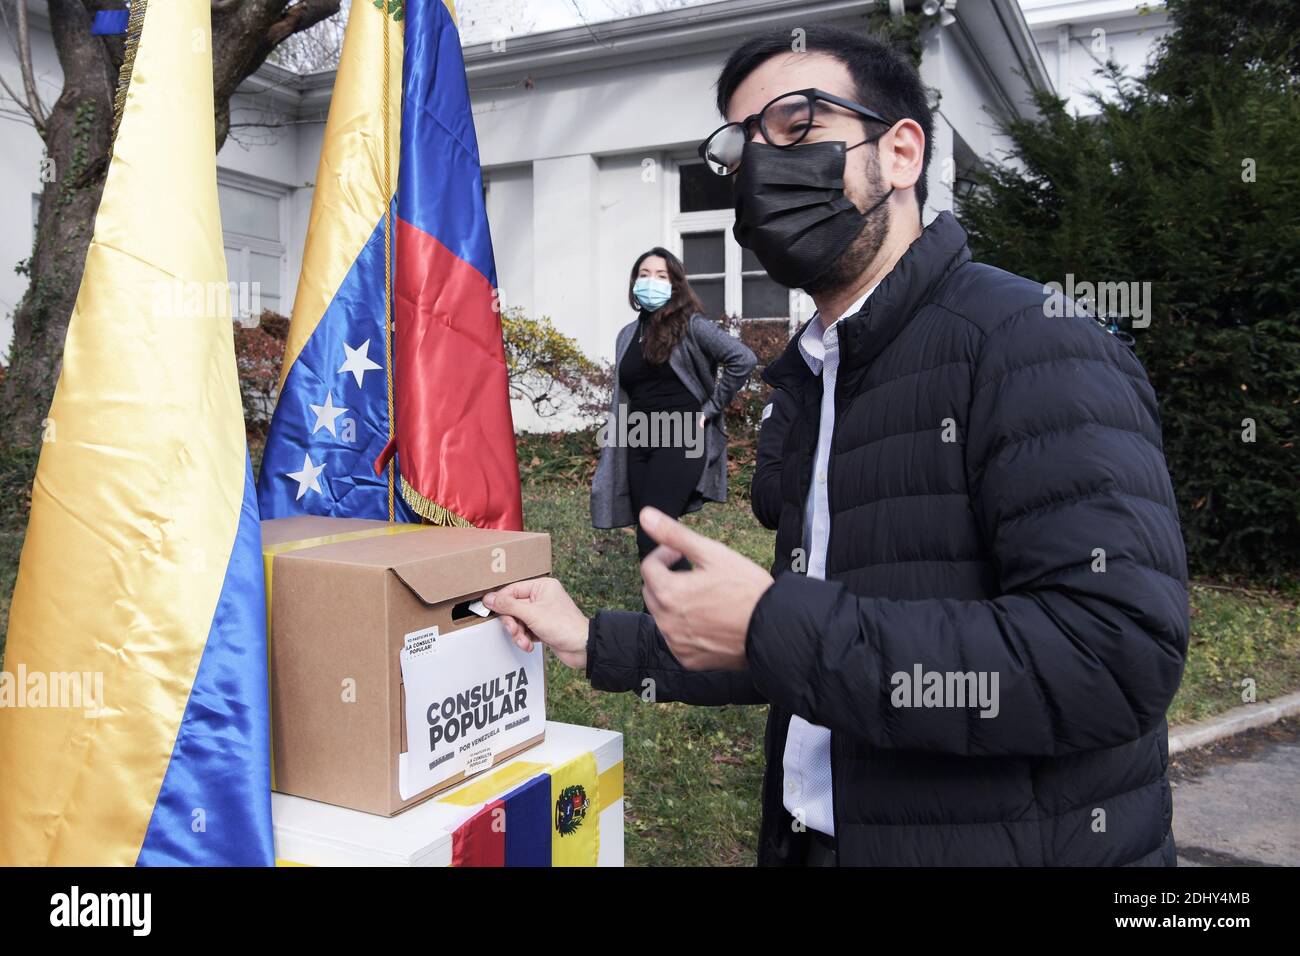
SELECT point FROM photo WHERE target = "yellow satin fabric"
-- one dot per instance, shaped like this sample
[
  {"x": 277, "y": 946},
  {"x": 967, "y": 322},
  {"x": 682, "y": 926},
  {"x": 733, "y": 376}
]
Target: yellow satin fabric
[
  {"x": 350, "y": 197},
  {"x": 138, "y": 492}
]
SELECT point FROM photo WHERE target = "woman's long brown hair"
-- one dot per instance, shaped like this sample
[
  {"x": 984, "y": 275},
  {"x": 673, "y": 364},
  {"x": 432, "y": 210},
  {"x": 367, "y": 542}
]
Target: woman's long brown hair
[{"x": 666, "y": 326}]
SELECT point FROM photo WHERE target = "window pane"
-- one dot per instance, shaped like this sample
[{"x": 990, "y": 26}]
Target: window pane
[
  {"x": 749, "y": 262},
  {"x": 764, "y": 299},
  {"x": 249, "y": 213},
  {"x": 703, "y": 252},
  {"x": 700, "y": 189},
  {"x": 265, "y": 270},
  {"x": 711, "y": 293}
]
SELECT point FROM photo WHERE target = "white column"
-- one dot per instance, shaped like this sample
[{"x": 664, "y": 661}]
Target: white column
[
  {"x": 935, "y": 75},
  {"x": 565, "y": 261},
  {"x": 1063, "y": 61}
]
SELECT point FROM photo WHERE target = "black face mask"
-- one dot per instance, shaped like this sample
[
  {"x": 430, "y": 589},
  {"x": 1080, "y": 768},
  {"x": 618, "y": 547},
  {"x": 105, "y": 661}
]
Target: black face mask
[{"x": 791, "y": 211}]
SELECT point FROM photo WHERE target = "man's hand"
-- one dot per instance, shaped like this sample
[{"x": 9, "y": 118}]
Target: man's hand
[
  {"x": 540, "y": 611},
  {"x": 703, "y": 613}
]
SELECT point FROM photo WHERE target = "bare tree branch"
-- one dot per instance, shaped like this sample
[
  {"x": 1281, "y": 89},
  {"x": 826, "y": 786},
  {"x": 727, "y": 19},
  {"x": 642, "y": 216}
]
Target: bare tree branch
[
  {"x": 38, "y": 111},
  {"x": 310, "y": 51},
  {"x": 300, "y": 16},
  {"x": 30, "y": 102},
  {"x": 17, "y": 100}
]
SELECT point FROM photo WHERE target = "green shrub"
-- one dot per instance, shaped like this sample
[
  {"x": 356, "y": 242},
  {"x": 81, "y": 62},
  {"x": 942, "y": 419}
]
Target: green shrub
[
  {"x": 259, "y": 353},
  {"x": 1188, "y": 180},
  {"x": 548, "y": 369}
]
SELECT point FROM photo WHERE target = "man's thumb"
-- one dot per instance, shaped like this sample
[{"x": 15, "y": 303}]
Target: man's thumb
[{"x": 504, "y": 601}]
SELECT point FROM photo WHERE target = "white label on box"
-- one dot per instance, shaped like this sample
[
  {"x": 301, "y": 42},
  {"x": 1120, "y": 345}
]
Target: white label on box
[
  {"x": 478, "y": 695},
  {"x": 480, "y": 759},
  {"x": 419, "y": 642}
]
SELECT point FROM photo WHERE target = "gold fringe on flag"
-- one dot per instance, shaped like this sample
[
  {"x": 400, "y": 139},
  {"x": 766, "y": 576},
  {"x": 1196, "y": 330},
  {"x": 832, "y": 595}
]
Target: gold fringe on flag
[
  {"x": 431, "y": 511},
  {"x": 134, "y": 27}
]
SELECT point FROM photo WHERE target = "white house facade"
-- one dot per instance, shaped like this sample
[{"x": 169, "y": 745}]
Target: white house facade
[
  {"x": 587, "y": 137},
  {"x": 1077, "y": 37}
]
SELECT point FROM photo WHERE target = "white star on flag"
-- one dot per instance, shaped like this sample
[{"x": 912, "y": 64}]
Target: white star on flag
[
  {"x": 358, "y": 360},
  {"x": 326, "y": 414},
  {"x": 307, "y": 478}
]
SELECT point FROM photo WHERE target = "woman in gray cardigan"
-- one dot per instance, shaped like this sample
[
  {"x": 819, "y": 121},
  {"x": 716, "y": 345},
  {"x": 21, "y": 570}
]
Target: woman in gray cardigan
[{"x": 663, "y": 443}]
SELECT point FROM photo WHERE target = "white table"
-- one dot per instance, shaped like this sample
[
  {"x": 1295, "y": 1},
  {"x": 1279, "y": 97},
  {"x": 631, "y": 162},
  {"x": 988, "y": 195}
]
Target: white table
[{"x": 309, "y": 833}]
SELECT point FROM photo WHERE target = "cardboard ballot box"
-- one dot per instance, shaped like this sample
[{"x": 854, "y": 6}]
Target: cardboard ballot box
[{"x": 387, "y": 685}]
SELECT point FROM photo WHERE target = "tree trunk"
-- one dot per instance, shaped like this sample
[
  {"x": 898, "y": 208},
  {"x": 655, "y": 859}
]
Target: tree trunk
[{"x": 77, "y": 140}]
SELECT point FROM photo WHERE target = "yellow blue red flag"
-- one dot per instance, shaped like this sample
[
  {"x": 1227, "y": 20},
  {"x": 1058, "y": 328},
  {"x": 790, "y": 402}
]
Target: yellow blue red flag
[
  {"x": 138, "y": 732},
  {"x": 551, "y": 819},
  {"x": 332, "y": 416},
  {"x": 394, "y": 401}
]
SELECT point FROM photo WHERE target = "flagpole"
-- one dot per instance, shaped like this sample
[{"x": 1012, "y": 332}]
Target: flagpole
[{"x": 388, "y": 271}]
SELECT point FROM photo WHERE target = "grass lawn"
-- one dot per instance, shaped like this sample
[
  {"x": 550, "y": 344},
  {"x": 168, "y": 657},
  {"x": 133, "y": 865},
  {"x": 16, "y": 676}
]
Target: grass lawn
[
  {"x": 693, "y": 773},
  {"x": 1237, "y": 635}
]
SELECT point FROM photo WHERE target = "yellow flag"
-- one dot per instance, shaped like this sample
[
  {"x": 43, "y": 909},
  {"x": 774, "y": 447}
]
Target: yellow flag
[
  {"x": 140, "y": 584},
  {"x": 575, "y": 800}
]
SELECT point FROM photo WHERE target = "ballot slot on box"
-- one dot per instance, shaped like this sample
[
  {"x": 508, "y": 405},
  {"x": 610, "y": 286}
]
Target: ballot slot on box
[{"x": 386, "y": 686}]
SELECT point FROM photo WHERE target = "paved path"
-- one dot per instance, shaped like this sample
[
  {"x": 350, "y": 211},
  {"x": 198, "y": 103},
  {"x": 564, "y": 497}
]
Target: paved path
[{"x": 1237, "y": 801}]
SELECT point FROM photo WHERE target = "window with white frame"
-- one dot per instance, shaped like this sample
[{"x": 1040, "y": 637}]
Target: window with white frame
[
  {"x": 253, "y": 225},
  {"x": 728, "y": 279}
]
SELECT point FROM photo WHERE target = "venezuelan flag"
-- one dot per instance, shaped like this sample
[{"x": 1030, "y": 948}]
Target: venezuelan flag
[
  {"x": 551, "y": 819},
  {"x": 332, "y": 418},
  {"x": 141, "y": 566},
  {"x": 398, "y": 228}
]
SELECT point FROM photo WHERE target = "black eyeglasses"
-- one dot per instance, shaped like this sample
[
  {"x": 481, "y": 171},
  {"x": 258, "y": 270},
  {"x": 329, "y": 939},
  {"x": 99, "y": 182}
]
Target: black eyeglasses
[{"x": 784, "y": 121}]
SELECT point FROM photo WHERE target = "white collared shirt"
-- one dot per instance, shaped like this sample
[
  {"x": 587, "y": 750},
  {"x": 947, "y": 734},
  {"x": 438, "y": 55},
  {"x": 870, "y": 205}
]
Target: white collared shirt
[{"x": 807, "y": 759}]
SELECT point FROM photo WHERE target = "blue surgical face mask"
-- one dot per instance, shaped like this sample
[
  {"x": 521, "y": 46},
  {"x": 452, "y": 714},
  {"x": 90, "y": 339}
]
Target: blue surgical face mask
[{"x": 652, "y": 293}]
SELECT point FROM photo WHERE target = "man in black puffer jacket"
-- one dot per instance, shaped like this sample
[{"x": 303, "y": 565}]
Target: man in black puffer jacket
[{"x": 979, "y": 612}]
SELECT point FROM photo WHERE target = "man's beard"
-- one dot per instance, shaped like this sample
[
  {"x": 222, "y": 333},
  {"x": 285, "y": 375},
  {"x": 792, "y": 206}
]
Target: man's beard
[{"x": 861, "y": 252}]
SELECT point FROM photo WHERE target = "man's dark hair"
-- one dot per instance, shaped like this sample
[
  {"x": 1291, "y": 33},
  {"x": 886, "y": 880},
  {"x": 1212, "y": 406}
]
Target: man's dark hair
[{"x": 885, "y": 80}]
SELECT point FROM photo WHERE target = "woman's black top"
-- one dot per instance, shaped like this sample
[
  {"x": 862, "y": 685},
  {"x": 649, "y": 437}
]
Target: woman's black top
[{"x": 652, "y": 388}]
